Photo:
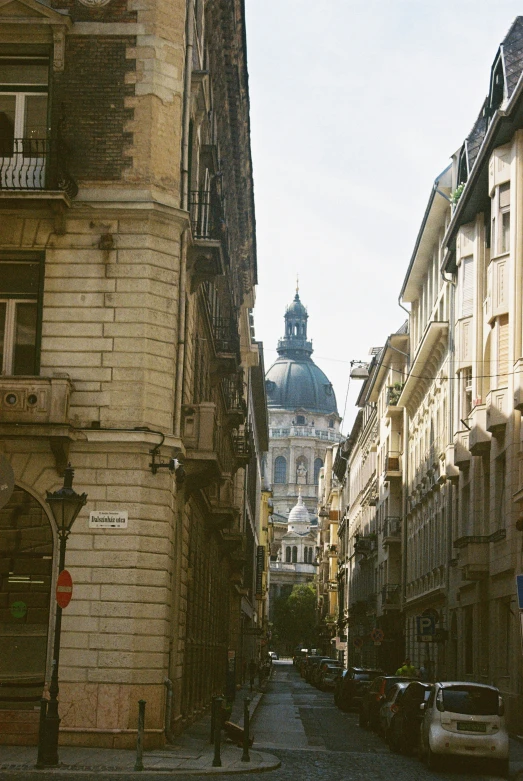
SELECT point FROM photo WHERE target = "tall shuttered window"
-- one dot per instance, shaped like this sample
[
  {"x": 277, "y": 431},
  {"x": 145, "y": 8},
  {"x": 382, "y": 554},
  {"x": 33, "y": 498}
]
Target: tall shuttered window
[
  {"x": 20, "y": 298},
  {"x": 467, "y": 287},
  {"x": 502, "y": 350}
]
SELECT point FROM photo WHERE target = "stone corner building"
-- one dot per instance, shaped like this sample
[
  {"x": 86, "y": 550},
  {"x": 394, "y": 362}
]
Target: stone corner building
[{"x": 127, "y": 274}]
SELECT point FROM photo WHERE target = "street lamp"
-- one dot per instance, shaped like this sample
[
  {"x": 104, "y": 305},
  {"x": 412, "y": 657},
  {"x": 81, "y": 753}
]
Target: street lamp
[{"x": 65, "y": 505}]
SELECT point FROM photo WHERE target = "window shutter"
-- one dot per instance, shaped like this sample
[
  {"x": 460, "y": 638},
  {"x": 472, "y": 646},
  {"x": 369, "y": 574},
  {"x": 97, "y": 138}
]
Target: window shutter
[
  {"x": 503, "y": 350},
  {"x": 467, "y": 287}
]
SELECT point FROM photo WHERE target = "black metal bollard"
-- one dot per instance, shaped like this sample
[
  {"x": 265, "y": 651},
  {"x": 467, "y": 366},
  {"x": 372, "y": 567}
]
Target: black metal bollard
[
  {"x": 41, "y": 733},
  {"x": 213, "y": 718},
  {"x": 139, "y": 735},
  {"x": 246, "y": 719},
  {"x": 217, "y": 760}
]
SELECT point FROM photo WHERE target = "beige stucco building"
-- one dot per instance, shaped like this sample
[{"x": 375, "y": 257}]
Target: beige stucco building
[
  {"x": 432, "y": 482},
  {"x": 127, "y": 274}
]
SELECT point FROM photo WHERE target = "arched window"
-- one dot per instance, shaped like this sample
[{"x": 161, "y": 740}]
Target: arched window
[
  {"x": 280, "y": 470},
  {"x": 288, "y": 554},
  {"x": 294, "y": 554},
  {"x": 310, "y": 555},
  {"x": 305, "y": 554},
  {"x": 318, "y": 463}
]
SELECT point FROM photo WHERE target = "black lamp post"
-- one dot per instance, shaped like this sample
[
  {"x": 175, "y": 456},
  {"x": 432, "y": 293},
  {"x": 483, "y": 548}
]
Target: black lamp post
[{"x": 65, "y": 505}]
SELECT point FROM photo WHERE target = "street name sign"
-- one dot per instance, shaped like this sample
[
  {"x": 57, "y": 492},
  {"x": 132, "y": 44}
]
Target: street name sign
[{"x": 108, "y": 519}]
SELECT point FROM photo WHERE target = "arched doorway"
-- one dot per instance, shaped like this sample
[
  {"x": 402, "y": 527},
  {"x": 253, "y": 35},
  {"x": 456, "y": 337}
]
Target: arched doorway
[{"x": 26, "y": 560}]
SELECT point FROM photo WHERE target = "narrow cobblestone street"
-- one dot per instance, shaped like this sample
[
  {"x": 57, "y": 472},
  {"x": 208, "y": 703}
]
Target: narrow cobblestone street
[{"x": 314, "y": 741}]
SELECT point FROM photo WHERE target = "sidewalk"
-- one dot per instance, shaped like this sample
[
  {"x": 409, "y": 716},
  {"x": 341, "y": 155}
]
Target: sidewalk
[{"x": 190, "y": 753}]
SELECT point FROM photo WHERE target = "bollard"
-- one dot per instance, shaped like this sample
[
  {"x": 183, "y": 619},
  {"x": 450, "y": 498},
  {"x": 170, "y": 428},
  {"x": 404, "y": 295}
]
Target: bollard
[
  {"x": 41, "y": 733},
  {"x": 217, "y": 760},
  {"x": 213, "y": 718},
  {"x": 139, "y": 736},
  {"x": 246, "y": 718}
]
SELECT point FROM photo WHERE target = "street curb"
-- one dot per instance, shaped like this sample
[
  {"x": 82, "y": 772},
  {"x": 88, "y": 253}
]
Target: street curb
[{"x": 264, "y": 763}]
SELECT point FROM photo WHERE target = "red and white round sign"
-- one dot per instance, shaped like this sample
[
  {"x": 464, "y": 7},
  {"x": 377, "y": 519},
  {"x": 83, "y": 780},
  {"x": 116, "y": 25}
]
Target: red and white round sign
[{"x": 64, "y": 588}]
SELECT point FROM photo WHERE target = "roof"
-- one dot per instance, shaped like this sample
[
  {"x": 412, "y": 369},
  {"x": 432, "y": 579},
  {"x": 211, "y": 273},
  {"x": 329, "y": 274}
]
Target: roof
[{"x": 297, "y": 383}]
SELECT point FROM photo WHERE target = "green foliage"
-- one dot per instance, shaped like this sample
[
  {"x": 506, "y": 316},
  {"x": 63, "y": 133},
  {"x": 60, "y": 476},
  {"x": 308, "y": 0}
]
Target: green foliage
[
  {"x": 456, "y": 195},
  {"x": 295, "y": 617}
]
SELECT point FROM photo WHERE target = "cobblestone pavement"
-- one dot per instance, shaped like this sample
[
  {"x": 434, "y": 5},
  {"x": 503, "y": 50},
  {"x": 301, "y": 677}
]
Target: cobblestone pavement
[{"x": 317, "y": 742}]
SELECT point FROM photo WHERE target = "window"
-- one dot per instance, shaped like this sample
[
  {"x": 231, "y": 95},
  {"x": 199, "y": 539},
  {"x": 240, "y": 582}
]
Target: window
[
  {"x": 300, "y": 420},
  {"x": 280, "y": 470},
  {"x": 331, "y": 423},
  {"x": 20, "y": 282},
  {"x": 288, "y": 554},
  {"x": 318, "y": 464},
  {"x": 502, "y": 350},
  {"x": 294, "y": 554},
  {"x": 466, "y": 392},
  {"x": 467, "y": 286},
  {"x": 23, "y": 121},
  {"x": 504, "y": 217}
]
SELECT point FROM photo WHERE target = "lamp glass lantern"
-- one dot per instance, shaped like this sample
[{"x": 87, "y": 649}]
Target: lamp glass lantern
[{"x": 65, "y": 503}]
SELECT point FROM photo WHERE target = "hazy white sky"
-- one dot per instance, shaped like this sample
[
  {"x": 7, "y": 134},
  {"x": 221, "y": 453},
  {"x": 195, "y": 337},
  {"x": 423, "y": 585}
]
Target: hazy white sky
[{"x": 356, "y": 107}]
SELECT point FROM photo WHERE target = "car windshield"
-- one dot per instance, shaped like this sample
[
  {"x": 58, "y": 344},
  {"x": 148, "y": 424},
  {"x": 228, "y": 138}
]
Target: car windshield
[
  {"x": 391, "y": 681},
  {"x": 470, "y": 700}
]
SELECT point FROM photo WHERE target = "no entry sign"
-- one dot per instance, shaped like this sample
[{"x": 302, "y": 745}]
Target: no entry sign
[{"x": 64, "y": 588}]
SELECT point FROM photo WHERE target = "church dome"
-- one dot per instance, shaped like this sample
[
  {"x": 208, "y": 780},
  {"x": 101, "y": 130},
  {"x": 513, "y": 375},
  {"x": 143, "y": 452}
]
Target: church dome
[
  {"x": 299, "y": 384},
  {"x": 299, "y": 514},
  {"x": 294, "y": 381}
]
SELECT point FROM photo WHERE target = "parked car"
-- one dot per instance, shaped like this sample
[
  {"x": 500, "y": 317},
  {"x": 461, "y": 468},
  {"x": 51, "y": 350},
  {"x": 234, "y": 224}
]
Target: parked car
[
  {"x": 313, "y": 669},
  {"x": 373, "y": 698},
  {"x": 309, "y": 660},
  {"x": 390, "y": 706},
  {"x": 349, "y": 689},
  {"x": 329, "y": 674},
  {"x": 273, "y": 655},
  {"x": 404, "y": 727},
  {"x": 318, "y": 669},
  {"x": 464, "y": 719}
]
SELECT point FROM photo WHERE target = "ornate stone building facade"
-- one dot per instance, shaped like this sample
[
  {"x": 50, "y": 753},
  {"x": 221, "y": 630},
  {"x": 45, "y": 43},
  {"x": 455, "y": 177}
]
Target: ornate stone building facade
[
  {"x": 127, "y": 274},
  {"x": 303, "y": 420}
]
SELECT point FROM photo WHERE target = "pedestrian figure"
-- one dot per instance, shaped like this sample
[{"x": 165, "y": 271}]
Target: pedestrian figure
[
  {"x": 407, "y": 669},
  {"x": 252, "y": 673}
]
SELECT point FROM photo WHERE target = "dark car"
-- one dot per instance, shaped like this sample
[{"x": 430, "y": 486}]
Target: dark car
[
  {"x": 351, "y": 686},
  {"x": 313, "y": 668},
  {"x": 405, "y": 724},
  {"x": 306, "y": 664},
  {"x": 319, "y": 669},
  {"x": 373, "y": 698}
]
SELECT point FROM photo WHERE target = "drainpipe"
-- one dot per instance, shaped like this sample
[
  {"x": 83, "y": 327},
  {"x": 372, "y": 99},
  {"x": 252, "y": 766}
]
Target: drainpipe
[{"x": 184, "y": 205}]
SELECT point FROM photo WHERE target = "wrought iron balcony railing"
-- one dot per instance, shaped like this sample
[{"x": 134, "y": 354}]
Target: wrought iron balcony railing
[
  {"x": 207, "y": 218},
  {"x": 226, "y": 337},
  {"x": 28, "y": 164}
]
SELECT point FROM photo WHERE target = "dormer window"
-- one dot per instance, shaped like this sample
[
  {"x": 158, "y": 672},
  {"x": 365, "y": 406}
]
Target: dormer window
[
  {"x": 300, "y": 420},
  {"x": 497, "y": 85}
]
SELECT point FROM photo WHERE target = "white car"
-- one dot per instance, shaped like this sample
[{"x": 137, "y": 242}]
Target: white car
[
  {"x": 273, "y": 655},
  {"x": 464, "y": 719}
]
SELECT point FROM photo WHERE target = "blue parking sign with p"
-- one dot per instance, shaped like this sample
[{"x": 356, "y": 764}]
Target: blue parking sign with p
[{"x": 425, "y": 625}]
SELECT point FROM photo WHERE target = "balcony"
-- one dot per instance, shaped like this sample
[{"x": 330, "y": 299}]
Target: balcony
[
  {"x": 332, "y": 550},
  {"x": 364, "y": 546},
  {"x": 207, "y": 256},
  {"x": 198, "y": 435},
  {"x": 41, "y": 404},
  {"x": 226, "y": 346},
  {"x": 35, "y": 169},
  {"x": 391, "y": 530},
  {"x": 35, "y": 399},
  {"x": 235, "y": 407},
  {"x": 392, "y": 469},
  {"x": 461, "y": 449},
  {"x": 329, "y": 434},
  {"x": 479, "y": 437},
  {"x": 473, "y": 557},
  {"x": 390, "y": 597},
  {"x": 497, "y": 410},
  {"x": 392, "y": 398},
  {"x": 331, "y": 585},
  {"x": 242, "y": 447}
]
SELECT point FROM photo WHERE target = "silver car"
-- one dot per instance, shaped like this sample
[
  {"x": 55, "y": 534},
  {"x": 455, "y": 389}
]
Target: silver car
[{"x": 464, "y": 719}]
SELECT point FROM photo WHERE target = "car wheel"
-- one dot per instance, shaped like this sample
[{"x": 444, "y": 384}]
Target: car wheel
[
  {"x": 363, "y": 721},
  {"x": 433, "y": 760},
  {"x": 502, "y": 768}
]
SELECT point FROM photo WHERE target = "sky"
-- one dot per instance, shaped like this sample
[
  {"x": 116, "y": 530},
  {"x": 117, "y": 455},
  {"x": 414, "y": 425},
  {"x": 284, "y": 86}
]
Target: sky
[{"x": 356, "y": 107}]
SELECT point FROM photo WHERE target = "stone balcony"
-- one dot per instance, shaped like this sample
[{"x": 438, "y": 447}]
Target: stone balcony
[
  {"x": 473, "y": 556},
  {"x": 497, "y": 409},
  {"x": 479, "y": 437}
]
